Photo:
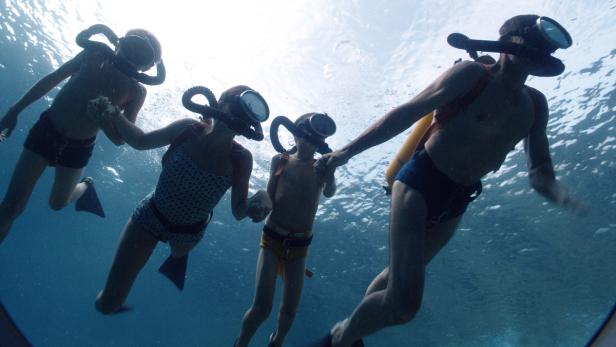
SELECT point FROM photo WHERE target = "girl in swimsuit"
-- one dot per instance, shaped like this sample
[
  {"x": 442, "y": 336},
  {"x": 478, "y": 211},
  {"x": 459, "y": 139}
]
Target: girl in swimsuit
[{"x": 201, "y": 164}]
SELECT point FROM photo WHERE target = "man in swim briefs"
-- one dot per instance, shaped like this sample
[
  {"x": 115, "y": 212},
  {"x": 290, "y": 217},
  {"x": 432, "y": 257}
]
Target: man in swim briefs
[{"x": 482, "y": 112}]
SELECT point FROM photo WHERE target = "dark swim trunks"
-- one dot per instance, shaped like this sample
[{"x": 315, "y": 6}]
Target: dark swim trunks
[
  {"x": 48, "y": 142},
  {"x": 445, "y": 198}
]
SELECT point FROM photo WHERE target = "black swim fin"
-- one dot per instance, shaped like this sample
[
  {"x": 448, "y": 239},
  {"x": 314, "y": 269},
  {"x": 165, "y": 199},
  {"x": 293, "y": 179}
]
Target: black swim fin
[
  {"x": 123, "y": 309},
  {"x": 175, "y": 270},
  {"x": 326, "y": 341},
  {"x": 89, "y": 200}
]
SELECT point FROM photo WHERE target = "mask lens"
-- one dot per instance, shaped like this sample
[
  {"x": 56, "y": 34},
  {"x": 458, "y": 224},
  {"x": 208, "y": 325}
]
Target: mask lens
[
  {"x": 322, "y": 124},
  {"x": 554, "y": 32},
  {"x": 254, "y": 105}
]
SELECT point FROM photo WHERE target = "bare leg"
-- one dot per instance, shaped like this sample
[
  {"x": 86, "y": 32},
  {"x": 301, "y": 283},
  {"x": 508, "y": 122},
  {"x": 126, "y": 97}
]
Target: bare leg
[
  {"x": 379, "y": 282},
  {"x": 180, "y": 249},
  {"x": 436, "y": 238},
  {"x": 28, "y": 170},
  {"x": 291, "y": 294},
  {"x": 66, "y": 187},
  {"x": 400, "y": 300},
  {"x": 267, "y": 266},
  {"x": 136, "y": 246}
]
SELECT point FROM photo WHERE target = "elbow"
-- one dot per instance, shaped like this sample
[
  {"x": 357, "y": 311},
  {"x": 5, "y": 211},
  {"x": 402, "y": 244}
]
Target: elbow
[{"x": 136, "y": 144}]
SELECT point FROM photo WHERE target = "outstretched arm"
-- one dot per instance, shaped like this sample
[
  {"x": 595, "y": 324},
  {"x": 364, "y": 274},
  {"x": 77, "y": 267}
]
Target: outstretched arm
[
  {"x": 42, "y": 87},
  {"x": 456, "y": 81},
  {"x": 540, "y": 168},
  {"x": 138, "y": 139}
]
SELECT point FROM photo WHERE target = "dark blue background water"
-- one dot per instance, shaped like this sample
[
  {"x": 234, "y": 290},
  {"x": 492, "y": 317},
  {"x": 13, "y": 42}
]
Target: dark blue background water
[{"x": 519, "y": 272}]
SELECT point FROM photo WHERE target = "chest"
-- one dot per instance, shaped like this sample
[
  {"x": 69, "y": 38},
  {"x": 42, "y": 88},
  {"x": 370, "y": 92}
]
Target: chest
[
  {"x": 208, "y": 159},
  {"x": 299, "y": 176},
  {"x": 101, "y": 78},
  {"x": 499, "y": 115}
]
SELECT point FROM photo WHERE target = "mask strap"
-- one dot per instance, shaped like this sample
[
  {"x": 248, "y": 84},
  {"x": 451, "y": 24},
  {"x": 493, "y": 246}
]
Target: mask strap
[{"x": 161, "y": 74}]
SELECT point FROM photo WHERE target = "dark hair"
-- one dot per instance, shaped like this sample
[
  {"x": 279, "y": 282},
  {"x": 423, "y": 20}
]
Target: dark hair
[
  {"x": 158, "y": 53},
  {"x": 303, "y": 118},
  {"x": 517, "y": 26},
  {"x": 230, "y": 95}
]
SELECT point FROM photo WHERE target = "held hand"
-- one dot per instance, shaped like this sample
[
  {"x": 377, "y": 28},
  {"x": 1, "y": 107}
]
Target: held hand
[
  {"x": 101, "y": 109},
  {"x": 259, "y": 206},
  {"x": 8, "y": 124},
  {"x": 327, "y": 164}
]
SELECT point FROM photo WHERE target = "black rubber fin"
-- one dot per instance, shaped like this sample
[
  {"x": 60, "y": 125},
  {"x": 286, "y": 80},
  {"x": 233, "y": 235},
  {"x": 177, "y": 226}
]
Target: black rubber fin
[
  {"x": 175, "y": 270},
  {"x": 326, "y": 341},
  {"x": 89, "y": 202}
]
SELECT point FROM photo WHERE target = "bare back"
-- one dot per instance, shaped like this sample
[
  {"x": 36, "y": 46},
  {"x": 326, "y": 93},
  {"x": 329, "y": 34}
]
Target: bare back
[
  {"x": 476, "y": 140},
  {"x": 95, "y": 77}
]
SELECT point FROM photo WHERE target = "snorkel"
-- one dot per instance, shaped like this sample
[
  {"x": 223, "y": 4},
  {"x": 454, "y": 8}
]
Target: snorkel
[
  {"x": 541, "y": 37},
  {"x": 120, "y": 57},
  {"x": 315, "y": 128},
  {"x": 248, "y": 109}
]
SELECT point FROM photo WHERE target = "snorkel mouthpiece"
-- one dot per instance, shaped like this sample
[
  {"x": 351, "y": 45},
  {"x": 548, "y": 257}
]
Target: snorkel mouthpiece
[
  {"x": 541, "y": 36},
  {"x": 247, "y": 128}
]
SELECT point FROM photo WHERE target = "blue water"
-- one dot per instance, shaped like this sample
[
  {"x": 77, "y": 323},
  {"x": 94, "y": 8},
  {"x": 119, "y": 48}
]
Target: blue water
[{"x": 519, "y": 272}]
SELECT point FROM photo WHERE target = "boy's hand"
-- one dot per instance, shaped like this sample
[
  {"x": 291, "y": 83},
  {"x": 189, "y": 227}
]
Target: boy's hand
[
  {"x": 328, "y": 163},
  {"x": 8, "y": 124},
  {"x": 101, "y": 109},
  {"x": 259, "y": 206}
]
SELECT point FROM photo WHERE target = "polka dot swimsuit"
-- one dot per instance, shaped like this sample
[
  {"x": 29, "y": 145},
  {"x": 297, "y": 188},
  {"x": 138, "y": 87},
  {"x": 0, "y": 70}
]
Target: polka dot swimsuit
[{"x": 185, "y": 194}]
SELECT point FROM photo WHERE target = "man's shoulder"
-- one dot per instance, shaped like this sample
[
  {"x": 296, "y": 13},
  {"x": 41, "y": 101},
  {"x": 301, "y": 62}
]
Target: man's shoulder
[
  {"x": 468, "y": 69},
  {"x": 464, "y": 76},
  {"x": 539, "y": 101}
]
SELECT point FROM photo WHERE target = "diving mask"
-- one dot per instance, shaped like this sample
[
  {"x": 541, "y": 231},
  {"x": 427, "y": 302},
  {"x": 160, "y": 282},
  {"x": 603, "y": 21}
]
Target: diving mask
[
  {"x": 141, "y": 54},
  {"x": 125, "y": 60},
  {"x": 314, "y": 129},
  {"x": 248, "y": 110},
  {"x": 541, "y": 37},
  {"x": 319, "y": 124},
  {"x": 252, "y": 105}
]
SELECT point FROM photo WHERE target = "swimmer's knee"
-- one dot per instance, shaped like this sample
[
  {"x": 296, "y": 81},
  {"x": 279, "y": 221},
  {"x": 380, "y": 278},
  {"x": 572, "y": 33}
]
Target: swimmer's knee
[
  {"x": 57, "y": 204},
  {"x": 402, "y": 310},
  {"x": 261, "y": 311},
  {"x": 288, "y": 313}
]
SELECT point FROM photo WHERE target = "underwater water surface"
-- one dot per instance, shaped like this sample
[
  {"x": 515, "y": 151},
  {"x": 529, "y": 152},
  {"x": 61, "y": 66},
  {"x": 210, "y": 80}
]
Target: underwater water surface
[{"x": 519, "y": 272}]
